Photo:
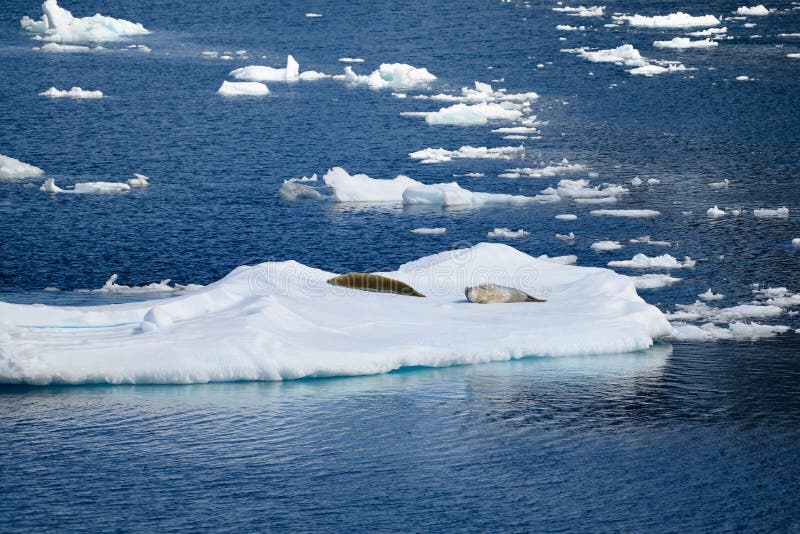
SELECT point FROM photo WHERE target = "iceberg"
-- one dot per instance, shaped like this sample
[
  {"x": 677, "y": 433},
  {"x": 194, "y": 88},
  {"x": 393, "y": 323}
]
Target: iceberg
[
  {"x": 14, "y": 169},
  {"x": 673, "y": 20},
  {"x": 258, "y": 73},
  {"x": 75, "y": 92},
  {"x": 243, "y": 89},
  {"x": 391, "y": 76},
  {"x": 58, "y": 25},
  {"x": 281, "y": 321}
]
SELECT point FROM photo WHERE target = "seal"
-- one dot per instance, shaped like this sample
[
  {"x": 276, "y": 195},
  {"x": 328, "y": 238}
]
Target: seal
[
  {"x": 374, "y": 282},
  {"x": 495, "y": 294}
]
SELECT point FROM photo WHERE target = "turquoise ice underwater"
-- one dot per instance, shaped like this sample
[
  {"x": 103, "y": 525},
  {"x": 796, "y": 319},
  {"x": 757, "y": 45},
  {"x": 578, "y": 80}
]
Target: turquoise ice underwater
[{"x": 696, "y": 434}]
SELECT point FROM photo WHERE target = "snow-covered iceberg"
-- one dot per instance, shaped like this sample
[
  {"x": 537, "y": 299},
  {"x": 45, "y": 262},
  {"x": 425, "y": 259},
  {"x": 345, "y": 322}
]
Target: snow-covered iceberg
[
  {"x": 259, "y": 73},
  {"x": 14, "y": 169},
  {"x": 390, "y": 76},
  {"x": 278, "y": 321},
  {"x": 363, "y": 188},
  {"x": 58, "y": 25}
]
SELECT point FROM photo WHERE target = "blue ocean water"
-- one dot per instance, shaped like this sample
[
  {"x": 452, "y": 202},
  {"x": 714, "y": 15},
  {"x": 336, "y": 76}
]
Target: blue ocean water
[{"x": 684, "y": 437}]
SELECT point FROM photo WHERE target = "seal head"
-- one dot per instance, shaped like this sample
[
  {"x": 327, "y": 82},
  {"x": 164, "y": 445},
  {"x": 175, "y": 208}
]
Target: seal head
[
  {"x": 374, "y": 282},
  {"x": 495, "y": 294}
]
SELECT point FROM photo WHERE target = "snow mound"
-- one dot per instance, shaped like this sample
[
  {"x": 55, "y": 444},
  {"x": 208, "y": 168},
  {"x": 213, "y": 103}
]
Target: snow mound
[
  {"x": 758, "y": 11},
  {"x": 685, "y": 42},
  {"x": 75, "y": 92},
  {"x": 673, "y": 20},
  {"x": 279, "y": 321},
  {"x": 362, "y": 188},
  {"x": 58, "y": 25},
  {"x": 14, "y": 169},
  {"x": 391, "y": 76},
  {"x": 642, "y": 261},
  {"x": 441, "y": 155},
  {"x": 259, "y": 73},
  {"x": 243, "y": 89}
]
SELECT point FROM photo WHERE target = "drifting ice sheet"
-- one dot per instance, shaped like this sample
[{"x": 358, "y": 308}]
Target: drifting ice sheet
[
  {"x": 58, "y": 24},
  {"x": 278, "y": 321}
]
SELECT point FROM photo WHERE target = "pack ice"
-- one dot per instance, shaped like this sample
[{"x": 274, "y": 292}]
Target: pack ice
[
  {"x": 57, "y": 24},
  {"x": 278, "y": 321}
]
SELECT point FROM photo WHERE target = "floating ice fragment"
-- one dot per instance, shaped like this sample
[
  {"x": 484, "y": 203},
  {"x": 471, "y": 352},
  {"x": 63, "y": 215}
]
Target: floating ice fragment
[
  {"x": 673, "y": 20},
  {"x": 58, "y": 25},
  {"x": 260, "y": 73},
  {"x": 719, "y": 185},
  {"x": 14, "y": 169},
  {"x": 566, "y": 237},
  {"x": 566, "y": 217},
  {"x": 470, "y": 115},
  {"x": 770, "y": 213},
  {"x": 582, "y": 11},
  {"x": 757, "y": 11},
  {"x": 715, "y": 212},
  {"x": 507, "y": 233},
  {"x": 139, "y": 180},
  {"x": 642, "y": 261},
  {"x": 645, "y": 239},
  {"x": 313, "y": 15},
  {"x": 685, "y": 42},
  {"x": 654, "y": 281},
  {"x": 627, "y": 213},
  {"x": 602, "y": 246},
  {"x": 243, "y": 89},
  {"x": 429, "y": 231},
  {"x": 292, "y": 191},
  {"x": 75, "y": 92},
  {"x": 391, "y": 76},
  {"x": 710, "y": 295},
  {"x": 351, "y": 60},
  {"x": 440, "y": 155},
  {"x": 49, "y": 186}
]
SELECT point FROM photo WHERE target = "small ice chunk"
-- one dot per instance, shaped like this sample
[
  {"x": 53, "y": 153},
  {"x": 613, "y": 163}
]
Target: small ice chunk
[
  {"x": 75, "y": 92},
  {"x": 796, "y": 241},
  {"x": 391, "y": 76},
  {"x": 49, "y": 186},
  {"x": 582, "y": 11},
  {"x": 642, "y": 261},
  {"x": 566, "y": 217},
  {"x": 715, "y": 212},
  {"x": 566, "y": 237},
  {"x": 14, "y": 169},
  {"x": 754, "y": 11},
  {"x": 770, "y": 213},
  {"x": 636, "y": 181},
  {"x": 645, "y": 239},
  {"x": 429, "y": 231},
  {"x": 441, "y": 155},
  {"x": 139, "y": 180},
  {"x": 313, "y": 15},
  {"x": 243, "y": 89},
  {"x": 602, "y": 246},
  {"x": 627, "y": 213},
  {"x": 710, "y": 295},
  {"x": 742, "y": 78},
  {"x": 654, "y": 281},
  {"x": 719, "y": 185},
  {"x": 470, "y": 115},
  {"x": 673, "y": 20},
  {"x": 260, "y": 73},
  {"x": 507, "y": 233},
  {"x": 685, "y": 42},
  {"x": 292, "y": 191},
  {"x": 351, "y": 60}
]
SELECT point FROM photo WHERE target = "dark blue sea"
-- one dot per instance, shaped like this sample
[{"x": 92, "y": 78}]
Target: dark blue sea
[{"x": 685, "y": 437}]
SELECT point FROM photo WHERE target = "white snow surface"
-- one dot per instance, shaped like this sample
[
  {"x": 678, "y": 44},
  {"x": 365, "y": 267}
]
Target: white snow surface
[
  {"x": 59, "y": 25},
  {"x": 278, "y": 321},
  {"x": 14, "y": 169},
  {"x": 75, "y": 92}
]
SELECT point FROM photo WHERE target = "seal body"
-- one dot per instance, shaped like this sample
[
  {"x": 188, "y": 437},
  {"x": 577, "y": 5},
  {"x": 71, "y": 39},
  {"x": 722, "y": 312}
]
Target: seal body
[
  {"x": 374, "y": 282},
  {"x": 495, "y": 294}
]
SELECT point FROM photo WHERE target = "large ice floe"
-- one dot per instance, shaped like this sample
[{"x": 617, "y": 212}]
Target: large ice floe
[
  {"x": 259, "y": 73},
  {"x": 390, "y": 76},
  {"x": 757, "y": 11},
  {"x": 278, "y": 321},
  {"x": 75, "y": 92},
  {"x": 673, "y": 20},
  {"x": 14, "y": 169},
  {"x": 58, "y": 25},
  {"x": 362, "y": 188},
  {"x": 243, "y": 89}
]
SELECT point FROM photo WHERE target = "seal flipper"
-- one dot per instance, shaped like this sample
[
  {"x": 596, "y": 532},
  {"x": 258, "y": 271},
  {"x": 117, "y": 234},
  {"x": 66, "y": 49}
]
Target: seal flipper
[{"x": 533, "y": 299}]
